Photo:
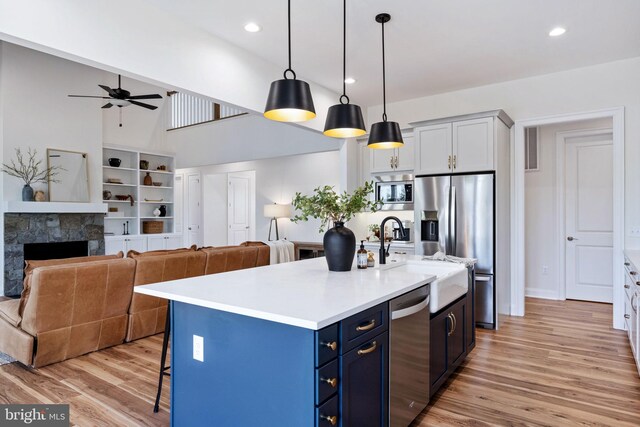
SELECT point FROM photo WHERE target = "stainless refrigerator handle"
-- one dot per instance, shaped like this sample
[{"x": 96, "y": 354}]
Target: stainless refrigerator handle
[{"x": 452, "y": 221}]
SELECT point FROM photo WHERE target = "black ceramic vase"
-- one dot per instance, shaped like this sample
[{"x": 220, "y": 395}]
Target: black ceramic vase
[
  {"x": 27, "y": 193},
  {"x": 339, "y": 247}
]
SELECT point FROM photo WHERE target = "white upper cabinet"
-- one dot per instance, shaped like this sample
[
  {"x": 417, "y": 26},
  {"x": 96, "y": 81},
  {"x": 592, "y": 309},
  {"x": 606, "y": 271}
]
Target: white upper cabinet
[
  {"x": 473, "y": 145},
  {"x": 394, "y": 160},
  {"x": 433, "y": 149},
  {"x": 455, "y": 147}
]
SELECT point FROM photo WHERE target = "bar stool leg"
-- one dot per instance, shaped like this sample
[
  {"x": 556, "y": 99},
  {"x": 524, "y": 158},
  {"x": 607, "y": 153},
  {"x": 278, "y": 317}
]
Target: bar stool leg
[{"x": 163, "y": 358}]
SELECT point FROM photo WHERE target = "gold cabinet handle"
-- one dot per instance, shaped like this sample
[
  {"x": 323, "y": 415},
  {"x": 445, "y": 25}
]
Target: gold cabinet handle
[
  {"x": 454, "y": 161},
  {"x": 366, "y": 327},
  {"x": 333, "y": 382},
  {"x": 332, "y": 419},
  {"x": 332, "y": 345},
  {"x": 371, "y": 348},
  {"x": 449, "y": 163}
]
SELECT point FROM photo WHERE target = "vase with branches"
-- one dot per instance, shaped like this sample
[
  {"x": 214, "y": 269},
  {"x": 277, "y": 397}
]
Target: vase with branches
[
  {"x": 30, "y": 170},
  {"x": 331, "y": 207}
]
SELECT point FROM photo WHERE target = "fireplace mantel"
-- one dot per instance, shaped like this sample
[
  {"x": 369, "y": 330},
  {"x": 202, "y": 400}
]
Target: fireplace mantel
[{"x": 53, "y": 207}]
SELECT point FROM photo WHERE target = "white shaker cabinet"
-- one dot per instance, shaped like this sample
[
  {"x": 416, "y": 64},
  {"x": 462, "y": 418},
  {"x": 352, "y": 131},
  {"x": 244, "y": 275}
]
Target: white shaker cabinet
[
  {"x": 115, "y": 244},
  {"x": 632, "y": 294},
  {"x": 164, "y": 242},
  {"x": 473, "y": 144},
  {"x": 393, "y": 160},
  {"x": 458, "y": 144}
]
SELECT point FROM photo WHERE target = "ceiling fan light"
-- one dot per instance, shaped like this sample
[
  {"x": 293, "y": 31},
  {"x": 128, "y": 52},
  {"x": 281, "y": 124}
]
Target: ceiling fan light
[
  {"x": 120, "y": 102},
  {"x": 344, "y": 121},
  {"x": 385, "y": 135},
  {"x": 289, "y": 100}
]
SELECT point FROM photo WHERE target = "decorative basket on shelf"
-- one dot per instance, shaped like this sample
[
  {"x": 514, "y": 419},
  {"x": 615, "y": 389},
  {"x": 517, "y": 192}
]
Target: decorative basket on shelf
[{"x": 152, "y": 227}]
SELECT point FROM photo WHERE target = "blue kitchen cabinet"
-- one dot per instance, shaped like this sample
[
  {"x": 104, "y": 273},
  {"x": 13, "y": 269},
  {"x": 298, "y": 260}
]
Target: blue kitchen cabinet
[
  {"x": 261, "y": 373},
  {"x": 365, "y": 384}
]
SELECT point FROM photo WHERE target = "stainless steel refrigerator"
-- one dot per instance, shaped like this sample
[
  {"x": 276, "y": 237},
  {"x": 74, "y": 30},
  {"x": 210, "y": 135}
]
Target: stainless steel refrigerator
[{"x": 455, "y": 214}]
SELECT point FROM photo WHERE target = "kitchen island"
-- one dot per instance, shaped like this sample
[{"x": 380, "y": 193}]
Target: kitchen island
[{"x": 283, "y": 345}]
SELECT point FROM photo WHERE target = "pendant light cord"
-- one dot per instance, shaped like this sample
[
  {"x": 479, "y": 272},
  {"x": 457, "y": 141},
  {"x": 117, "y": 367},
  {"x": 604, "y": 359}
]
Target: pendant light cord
[
  {"x": 344, "y": 50},
  {"x": 289, "y": 38},
  {"x": 384, "y": 80}
]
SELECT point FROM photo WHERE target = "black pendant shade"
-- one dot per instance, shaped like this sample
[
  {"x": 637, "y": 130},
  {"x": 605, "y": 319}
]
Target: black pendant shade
[
  {"x": 344, "y": 121},
  {"x": 385, "y": 135},
  {"x": 289, "y": 101}
]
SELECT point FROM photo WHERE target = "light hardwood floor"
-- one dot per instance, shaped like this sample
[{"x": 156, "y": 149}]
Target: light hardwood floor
[{"x": 560, "y": 365}]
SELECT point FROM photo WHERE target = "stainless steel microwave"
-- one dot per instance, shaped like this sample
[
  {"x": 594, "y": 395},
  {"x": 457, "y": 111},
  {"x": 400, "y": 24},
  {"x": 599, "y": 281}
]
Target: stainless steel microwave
[{"x": 395, "y": 192}]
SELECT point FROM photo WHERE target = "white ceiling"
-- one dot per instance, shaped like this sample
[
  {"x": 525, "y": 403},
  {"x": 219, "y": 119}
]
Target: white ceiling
[{"x": 433, "y": 46}]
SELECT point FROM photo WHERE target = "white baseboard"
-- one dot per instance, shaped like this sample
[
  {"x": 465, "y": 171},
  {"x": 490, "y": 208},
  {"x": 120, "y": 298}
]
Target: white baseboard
[{"x": 541, "y": 293}]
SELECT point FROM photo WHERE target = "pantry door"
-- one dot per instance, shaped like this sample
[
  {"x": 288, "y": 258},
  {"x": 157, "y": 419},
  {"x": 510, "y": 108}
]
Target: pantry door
[{"x": 589, "y": 218}]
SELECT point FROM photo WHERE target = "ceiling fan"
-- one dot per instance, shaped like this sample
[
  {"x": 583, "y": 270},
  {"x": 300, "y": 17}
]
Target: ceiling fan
[{"x": 121, "y": 97}]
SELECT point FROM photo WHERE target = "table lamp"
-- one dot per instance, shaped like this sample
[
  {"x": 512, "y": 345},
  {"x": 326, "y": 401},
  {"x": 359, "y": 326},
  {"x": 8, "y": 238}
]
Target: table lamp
[{"x": 275, "y": 211}]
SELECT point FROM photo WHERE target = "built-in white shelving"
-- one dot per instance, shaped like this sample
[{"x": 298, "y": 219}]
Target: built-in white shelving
[{"x": 131, "y": 175}]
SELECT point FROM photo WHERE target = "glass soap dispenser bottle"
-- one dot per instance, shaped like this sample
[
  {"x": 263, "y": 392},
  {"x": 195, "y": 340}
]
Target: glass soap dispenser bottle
[{"x": 362, "y": 256}]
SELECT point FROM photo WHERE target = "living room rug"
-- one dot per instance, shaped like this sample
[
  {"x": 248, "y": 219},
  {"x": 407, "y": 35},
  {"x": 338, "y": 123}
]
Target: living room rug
[{"x": 5, "y": 359}]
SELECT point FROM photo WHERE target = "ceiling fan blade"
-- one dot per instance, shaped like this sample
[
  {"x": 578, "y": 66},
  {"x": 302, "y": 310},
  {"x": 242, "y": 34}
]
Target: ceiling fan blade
[
  {"x": 108, "y": 89},
  {"x": 88, "y": 96},
  {"x": 142, "y": 104},
  {"x": 107, "y": 105},
  {"x": 154, "y": 96}
]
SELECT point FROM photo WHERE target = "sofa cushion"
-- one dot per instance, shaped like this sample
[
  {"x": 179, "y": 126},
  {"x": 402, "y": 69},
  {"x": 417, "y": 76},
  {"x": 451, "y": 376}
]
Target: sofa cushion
[
  {"x": 159, "y": 252},
  {"x": 147, "y": 314},
  {"x": 230, "y": 258},
  {"x": 16, "y": 343},
  {"x": 31, "y": 264},
  {"x": 9, "y": 311},
  {"x": 77, "y": 308}
]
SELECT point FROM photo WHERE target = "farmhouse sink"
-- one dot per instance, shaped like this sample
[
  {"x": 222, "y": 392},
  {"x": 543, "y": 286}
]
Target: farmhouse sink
[{"x": 451, "y": 283}]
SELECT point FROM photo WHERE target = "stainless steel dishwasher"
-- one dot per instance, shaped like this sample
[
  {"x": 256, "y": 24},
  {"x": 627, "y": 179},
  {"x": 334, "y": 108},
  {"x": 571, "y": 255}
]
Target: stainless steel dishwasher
[{"x": 408, "y": 356}]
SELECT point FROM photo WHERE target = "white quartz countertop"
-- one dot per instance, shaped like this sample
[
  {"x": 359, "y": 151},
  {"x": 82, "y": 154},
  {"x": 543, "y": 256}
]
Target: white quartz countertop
[
  {"x": 634, "y": 256},
  {"x": 303, "y": 293}
]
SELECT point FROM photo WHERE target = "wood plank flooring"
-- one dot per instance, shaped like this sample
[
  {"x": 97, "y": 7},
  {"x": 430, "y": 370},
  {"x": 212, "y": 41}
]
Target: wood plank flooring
[{"x": 560, "y": 365}]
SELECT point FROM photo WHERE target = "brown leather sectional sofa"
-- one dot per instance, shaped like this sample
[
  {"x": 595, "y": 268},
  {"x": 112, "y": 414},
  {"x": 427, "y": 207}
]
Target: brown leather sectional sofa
[{"x": 75, "y": 306}]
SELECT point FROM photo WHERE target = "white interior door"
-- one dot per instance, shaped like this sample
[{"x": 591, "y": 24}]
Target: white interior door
[
  {"x": 589, "y": 219},
  {"x": 194, "y": 212},
  {"x": 239, "y": 216}
]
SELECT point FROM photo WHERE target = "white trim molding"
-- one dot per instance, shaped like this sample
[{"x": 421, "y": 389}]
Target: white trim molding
[
  {"x": 518, "y": 205},
  {"x": 53, "y": 207},
  {"x": 542, "y": 293}
]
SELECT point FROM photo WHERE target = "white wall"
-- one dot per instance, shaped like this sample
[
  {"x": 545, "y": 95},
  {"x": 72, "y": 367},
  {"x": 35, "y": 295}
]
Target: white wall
[
  {"x": 613, "y": 84},
  {"x": 38, "y": 113},
  {"x": 541, "y": 221},
  {"x": 151, "y": 45},
  {"x": 248, "y": 137},
  {"x": 277, "y": 180}
]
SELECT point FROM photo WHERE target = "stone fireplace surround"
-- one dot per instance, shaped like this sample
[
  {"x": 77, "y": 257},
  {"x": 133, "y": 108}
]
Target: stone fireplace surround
[{"x": 23, "y": 228}]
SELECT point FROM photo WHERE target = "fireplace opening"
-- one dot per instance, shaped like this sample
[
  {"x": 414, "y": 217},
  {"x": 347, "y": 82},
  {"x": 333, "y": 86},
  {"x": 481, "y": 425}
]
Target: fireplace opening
[{"x": 55, "y": 250}]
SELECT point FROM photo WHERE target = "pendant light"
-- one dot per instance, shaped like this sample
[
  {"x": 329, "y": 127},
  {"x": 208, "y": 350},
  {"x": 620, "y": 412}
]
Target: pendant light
[
  {"x": 289, "y": 99},
  {"x": 344, "y": 120},
  {"x": 384, "y": 134}
]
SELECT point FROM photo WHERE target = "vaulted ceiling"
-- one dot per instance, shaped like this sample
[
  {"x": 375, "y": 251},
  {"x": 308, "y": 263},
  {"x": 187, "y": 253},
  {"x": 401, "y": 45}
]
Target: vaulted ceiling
[{"x": 433, "y": 46}]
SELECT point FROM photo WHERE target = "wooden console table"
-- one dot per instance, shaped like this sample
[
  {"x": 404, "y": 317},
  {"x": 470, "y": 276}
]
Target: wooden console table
[{"x": 307, "y": 250}]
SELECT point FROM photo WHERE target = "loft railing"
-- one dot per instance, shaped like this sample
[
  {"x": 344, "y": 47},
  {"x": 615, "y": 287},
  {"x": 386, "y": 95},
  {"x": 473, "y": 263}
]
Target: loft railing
[{"x": 188, "y": 110}]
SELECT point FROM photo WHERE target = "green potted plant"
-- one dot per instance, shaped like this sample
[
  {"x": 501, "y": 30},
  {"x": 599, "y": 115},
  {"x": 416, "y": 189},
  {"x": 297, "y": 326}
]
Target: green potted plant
[
  {"x": 330, "y": 207},
  {"x": 30, "y": 171}
]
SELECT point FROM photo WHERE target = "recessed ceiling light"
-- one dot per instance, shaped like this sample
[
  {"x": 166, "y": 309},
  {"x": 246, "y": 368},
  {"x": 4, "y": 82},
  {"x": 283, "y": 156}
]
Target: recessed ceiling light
[
  {"x": 252, "y": 27},
  {"x": 349, "y": 80},
  {"x": 558, "y": 31}
]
